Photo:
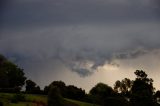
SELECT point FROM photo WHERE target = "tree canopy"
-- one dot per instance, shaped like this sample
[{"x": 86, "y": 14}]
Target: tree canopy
[
  {"x": 101, "y": 92},
  {"x": 32, "y": 87},
  {"x": 11, "y": 76},
  {"x": 142, "y": 90}
]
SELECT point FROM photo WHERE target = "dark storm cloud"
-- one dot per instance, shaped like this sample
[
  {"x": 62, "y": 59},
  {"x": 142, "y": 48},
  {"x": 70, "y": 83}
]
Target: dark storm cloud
[
  {"x": 57, "y": 12},
  {"x": 82, "y": 35},
  {"x": 131, "y": 54},
  {"x": 82, "y": 49}
]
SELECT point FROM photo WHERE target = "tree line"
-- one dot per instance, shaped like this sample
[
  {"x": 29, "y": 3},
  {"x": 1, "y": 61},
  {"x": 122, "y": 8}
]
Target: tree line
[{"x": 126, "y": 92}]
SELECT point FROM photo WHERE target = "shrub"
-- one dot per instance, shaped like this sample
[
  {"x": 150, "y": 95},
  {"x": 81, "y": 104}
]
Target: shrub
[
  {"x": 54, "y": 97},
  {"x": 17, "y": 97}
]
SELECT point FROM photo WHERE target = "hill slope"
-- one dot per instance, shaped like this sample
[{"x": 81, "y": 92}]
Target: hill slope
[{"x": 38, "y": 100}]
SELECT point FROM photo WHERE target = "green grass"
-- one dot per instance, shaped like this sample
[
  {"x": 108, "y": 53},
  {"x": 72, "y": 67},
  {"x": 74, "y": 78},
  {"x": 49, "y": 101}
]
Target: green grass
[
  {"x": 36, "y": 98},
  {"x": 80, "y": 103},
  {"x": 31, "y": 100},
  {"x": 21, "y": 104},
  {"x": 6, "y": 95}
]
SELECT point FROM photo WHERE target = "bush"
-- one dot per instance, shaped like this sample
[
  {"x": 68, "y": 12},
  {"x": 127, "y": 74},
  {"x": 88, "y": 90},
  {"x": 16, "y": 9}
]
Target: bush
[
  {"x": 54, "y": 97},
  {"x": 116, "y": 101},
  {"x": 17, "y": 97},
  {"x": 10, "y": 90}
]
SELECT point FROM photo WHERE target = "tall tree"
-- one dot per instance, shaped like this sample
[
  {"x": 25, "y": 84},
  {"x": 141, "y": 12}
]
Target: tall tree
[
  {"x": 73, "y": 92},
  {"x": 59, "y": 84},
  {"x": 100, "y": 92},
  {"x": 54, "y": 97},
  {"x": 32, "y": 87},
  {"x": 142, "y": 90},
  {"x": 123, "y": 86},
  {"x": 157, "y": 96},
  {"x": 11, "y": 76}
]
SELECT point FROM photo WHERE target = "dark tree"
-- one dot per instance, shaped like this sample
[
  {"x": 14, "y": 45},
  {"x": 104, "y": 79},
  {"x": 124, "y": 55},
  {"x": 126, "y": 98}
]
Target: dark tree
[
  {"x": 70, "y": 91},
  {"x": 101, "y": 92},
  {"x": 54, "y": 97},
  {"x": 118, "y": 86},
  {"x": 116, "y": 101},
  {"x": 142, "y": 90},
  {"x": 11, "y": 76},
  {"x": 31, "y": 87},
  {"x": 75, "y": 93},
  {"x": 157, "y": 96},
  {"x": 123, "y": 86},
  {"x": 59, "y": 84},
  {"x": 140, "y": 74},
  {"x": 46, "y": 90}
]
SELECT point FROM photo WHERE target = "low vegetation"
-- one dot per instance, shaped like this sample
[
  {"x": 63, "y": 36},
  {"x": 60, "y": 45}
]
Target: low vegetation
[
  {"x": 36, "y": 100},
  {"x": 79, "y": 102}
]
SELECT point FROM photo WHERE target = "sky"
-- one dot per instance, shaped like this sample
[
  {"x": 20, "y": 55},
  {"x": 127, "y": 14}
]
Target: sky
[{"x": 82, "y": 42}]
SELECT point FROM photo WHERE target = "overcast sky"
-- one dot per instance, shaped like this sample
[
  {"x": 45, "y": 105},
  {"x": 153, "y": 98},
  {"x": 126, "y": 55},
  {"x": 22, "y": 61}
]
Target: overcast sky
[{"x": 82, "y": 42}]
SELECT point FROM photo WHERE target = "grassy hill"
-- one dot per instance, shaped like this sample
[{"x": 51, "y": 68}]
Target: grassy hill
[
  {"x": 30, "y": 100},
  {"x": 80, "y": 103},
  {"x": 37, "y": 100}
]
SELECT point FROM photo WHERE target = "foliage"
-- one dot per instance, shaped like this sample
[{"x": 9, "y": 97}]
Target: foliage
[
  {"x": 11, "y": 76},
  {"x": 70, "y": 91},
  {"x": 59, "y": 84},
  {"x": 54, "y": 97},
  {"x": 100, "y": 92},
  {"x": 46, "y": 90},
  {"x": 116, "y": 101},
  {"x": 75, "y": 93},
  {"x": 11, "y": 90},
  {"x": 17, "y": 98},
  {"x": 123, "y": 87},
  {"x": 31, "y": 87},
  {"x": 157, "y": 96},
  {"x": 142, "y": 90}
]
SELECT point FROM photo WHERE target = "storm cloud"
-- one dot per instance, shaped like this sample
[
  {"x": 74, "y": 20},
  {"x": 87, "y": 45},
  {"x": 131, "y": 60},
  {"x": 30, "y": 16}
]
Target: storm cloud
[{"x": 80, "y": 35}]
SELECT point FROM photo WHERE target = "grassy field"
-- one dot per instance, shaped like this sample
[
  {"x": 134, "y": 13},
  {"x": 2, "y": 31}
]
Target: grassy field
[
  {"x": 80, "y": 103},
  {"x": 37, "y": 100},
  {"x": 30, "y": 100}
]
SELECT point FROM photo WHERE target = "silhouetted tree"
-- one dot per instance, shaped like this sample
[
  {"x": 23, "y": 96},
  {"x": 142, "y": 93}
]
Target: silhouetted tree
[
  {"x": 61, "y": 86},
  {"x": 54, "y": 97},
  {"x": 123, "y": 86},
  {"x": 37, "y": 90},
  {"x": 31, "y": 87},
  {"x": 142, "y": 90},
  {"x": 116, "y": 101},
  {"x": 46, "y": 90},
  {"x": 11, "y": 76},
  {"x": 157, "y": 96},
  {"x": 75, "y": 93},
  {"x": 101, "y": 92},
  {"x": 70, "y": 91}
]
